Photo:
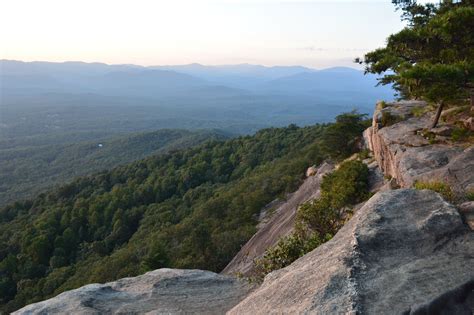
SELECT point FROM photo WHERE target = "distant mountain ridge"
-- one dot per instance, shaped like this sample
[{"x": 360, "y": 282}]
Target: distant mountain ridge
[
  {"x": 174, "y": 78},
  {"x": 80, "y": 67},
  {"x": 47, "y": 102}
]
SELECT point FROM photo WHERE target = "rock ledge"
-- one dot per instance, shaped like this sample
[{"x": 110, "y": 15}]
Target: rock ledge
[
  {"x": 402, "y": 248},
  {"x": 162, "y": 291}
]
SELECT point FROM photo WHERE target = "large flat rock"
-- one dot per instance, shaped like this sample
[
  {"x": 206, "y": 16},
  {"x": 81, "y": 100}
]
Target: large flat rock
[
  {"x": 402, "y": 248},
  {"x": 163, "y": 291}
]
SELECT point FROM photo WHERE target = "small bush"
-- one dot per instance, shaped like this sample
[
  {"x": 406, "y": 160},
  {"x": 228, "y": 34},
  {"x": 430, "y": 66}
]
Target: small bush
[
  {"x": 389, "y": 119},
  {"x": 342, "y": 139},
  {"x": 460, "y": 134},
  {"x": 348, "y": 184},
  {"x": 429, "y": 135},
  {"x": 382, "y": 104},
  {"x": 470, "y": 195},
  {"x": 286, "y": 251},
  {"x": 442, "y": 188},
  {"x": 364, "y": 154}
]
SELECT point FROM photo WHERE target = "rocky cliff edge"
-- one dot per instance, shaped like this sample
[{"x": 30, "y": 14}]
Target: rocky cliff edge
[{"x": 405, "y": 251}]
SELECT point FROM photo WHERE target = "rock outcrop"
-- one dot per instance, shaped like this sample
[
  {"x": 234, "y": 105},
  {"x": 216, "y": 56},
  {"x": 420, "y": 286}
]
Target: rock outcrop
[
  {"x": 279, "y": 224},
  {"x": 403, "y": 248},
  {"x": 404, "y": 154},
  {"x": 404, "y": 251},
  {"x": 163, "y": 291}
]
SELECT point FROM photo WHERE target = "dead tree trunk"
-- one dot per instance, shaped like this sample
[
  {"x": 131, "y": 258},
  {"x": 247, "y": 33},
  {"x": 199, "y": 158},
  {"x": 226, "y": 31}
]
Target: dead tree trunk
[{"x": 438, "y": 114}]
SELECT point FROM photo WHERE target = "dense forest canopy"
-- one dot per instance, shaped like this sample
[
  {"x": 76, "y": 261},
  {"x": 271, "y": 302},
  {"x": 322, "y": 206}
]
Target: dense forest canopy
[
  {"x": 191, "y": 208},
  {"x": 27, "y": 170}
]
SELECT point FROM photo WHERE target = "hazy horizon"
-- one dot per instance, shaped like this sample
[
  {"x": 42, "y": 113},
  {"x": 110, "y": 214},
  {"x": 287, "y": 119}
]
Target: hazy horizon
[
  {"x": 353, "y": 66},
  {"x": 315, "y": 34}
]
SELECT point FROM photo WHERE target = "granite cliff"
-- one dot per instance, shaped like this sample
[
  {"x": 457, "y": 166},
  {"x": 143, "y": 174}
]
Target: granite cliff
[{"x": 404, "y": 251}]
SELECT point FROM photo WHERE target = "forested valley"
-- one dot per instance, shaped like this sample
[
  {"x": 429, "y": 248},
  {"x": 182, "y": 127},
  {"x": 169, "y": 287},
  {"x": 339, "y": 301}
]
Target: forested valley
[
  {"x": 29, "y": 169},
  {"x": 190, "y": 208}
]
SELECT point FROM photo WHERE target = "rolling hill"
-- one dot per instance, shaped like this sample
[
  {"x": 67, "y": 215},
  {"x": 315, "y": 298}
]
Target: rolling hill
[{"x": 28, "y": 170}]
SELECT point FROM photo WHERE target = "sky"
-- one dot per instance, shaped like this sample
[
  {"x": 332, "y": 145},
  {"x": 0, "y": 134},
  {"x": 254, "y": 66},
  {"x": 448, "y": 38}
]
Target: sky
[{"x": 313, "y": 33}]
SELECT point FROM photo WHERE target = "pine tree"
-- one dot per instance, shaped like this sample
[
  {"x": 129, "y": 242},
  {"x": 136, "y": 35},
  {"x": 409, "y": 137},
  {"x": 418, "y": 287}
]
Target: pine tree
[{"x": 432, "y": 58}]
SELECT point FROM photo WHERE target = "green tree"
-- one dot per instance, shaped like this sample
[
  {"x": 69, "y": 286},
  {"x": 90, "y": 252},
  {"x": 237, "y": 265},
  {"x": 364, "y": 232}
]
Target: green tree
[
  {"x": 432, "y": 58},
  {"x": 39, "y": 250},
  {"x": 342, "y": 138}
]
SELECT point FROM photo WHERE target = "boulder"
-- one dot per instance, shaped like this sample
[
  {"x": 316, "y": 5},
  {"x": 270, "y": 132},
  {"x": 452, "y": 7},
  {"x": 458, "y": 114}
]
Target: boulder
[
  {"x": 445, "y": 130},
  {"x": 469, "y": 123},
  {"x": 311, "y": 171},
  {"x": 163, "y": 291},
  {"x": 401, "y": 110},
  {"x": 403, "y": 248}
]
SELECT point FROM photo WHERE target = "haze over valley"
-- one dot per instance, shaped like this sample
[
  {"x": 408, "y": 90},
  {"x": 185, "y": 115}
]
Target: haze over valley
[
  {"x": 54, "y": 107},
  {"x": 98, "y": 99}
]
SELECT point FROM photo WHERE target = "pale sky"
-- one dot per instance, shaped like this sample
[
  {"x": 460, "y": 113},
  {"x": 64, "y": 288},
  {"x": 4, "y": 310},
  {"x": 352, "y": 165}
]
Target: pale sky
[{"x": 313, "y": 33}]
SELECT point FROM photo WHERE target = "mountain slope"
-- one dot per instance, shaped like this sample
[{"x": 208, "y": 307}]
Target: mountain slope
[
  {"x": 184, "y": 209},
  {"x": 404, "y": 251},
  {"x": 27, "y": 170},
  {"x": 276, "y": 225},
  {"x": 347, "y": 81},
  {"x": 164, "y": 81},
  {"x": 26, "y": 78},
  {"x": 244, "y": 76}
]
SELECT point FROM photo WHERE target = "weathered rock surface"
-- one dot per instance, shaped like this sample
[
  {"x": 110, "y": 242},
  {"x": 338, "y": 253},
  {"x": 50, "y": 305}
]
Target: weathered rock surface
[
  {"x": 377, "y": 181},
  {"x": 163, "y": 291},
  {"x": 278, "y": 225},
  {"x": 311, "y": 171},
  {"x": 401, "y": 249},
  {"x": 458, "y": 301},
  {"x": 405, "y": 155},
  {"x": 467, "y": 210}
]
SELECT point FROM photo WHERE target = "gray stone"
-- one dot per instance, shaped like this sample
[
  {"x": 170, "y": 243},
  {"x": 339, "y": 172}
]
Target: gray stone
[
  {"x": 402, "y": 153},
  {"x": 402, "y": 109},
  {"x": 445, "y": 130},
  {"x": 311, "y": 171},
  {"x": 163, "y": 291},
  {"x": 469, "y": 123},
  {"x": 377, "y": 181},
  {"x": 402, "y": 248},
  {"x": 458, "y": 301}
]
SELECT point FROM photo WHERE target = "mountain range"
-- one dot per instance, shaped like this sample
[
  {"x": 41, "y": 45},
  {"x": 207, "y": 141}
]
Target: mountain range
[{"x": 184, "y": 80}]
